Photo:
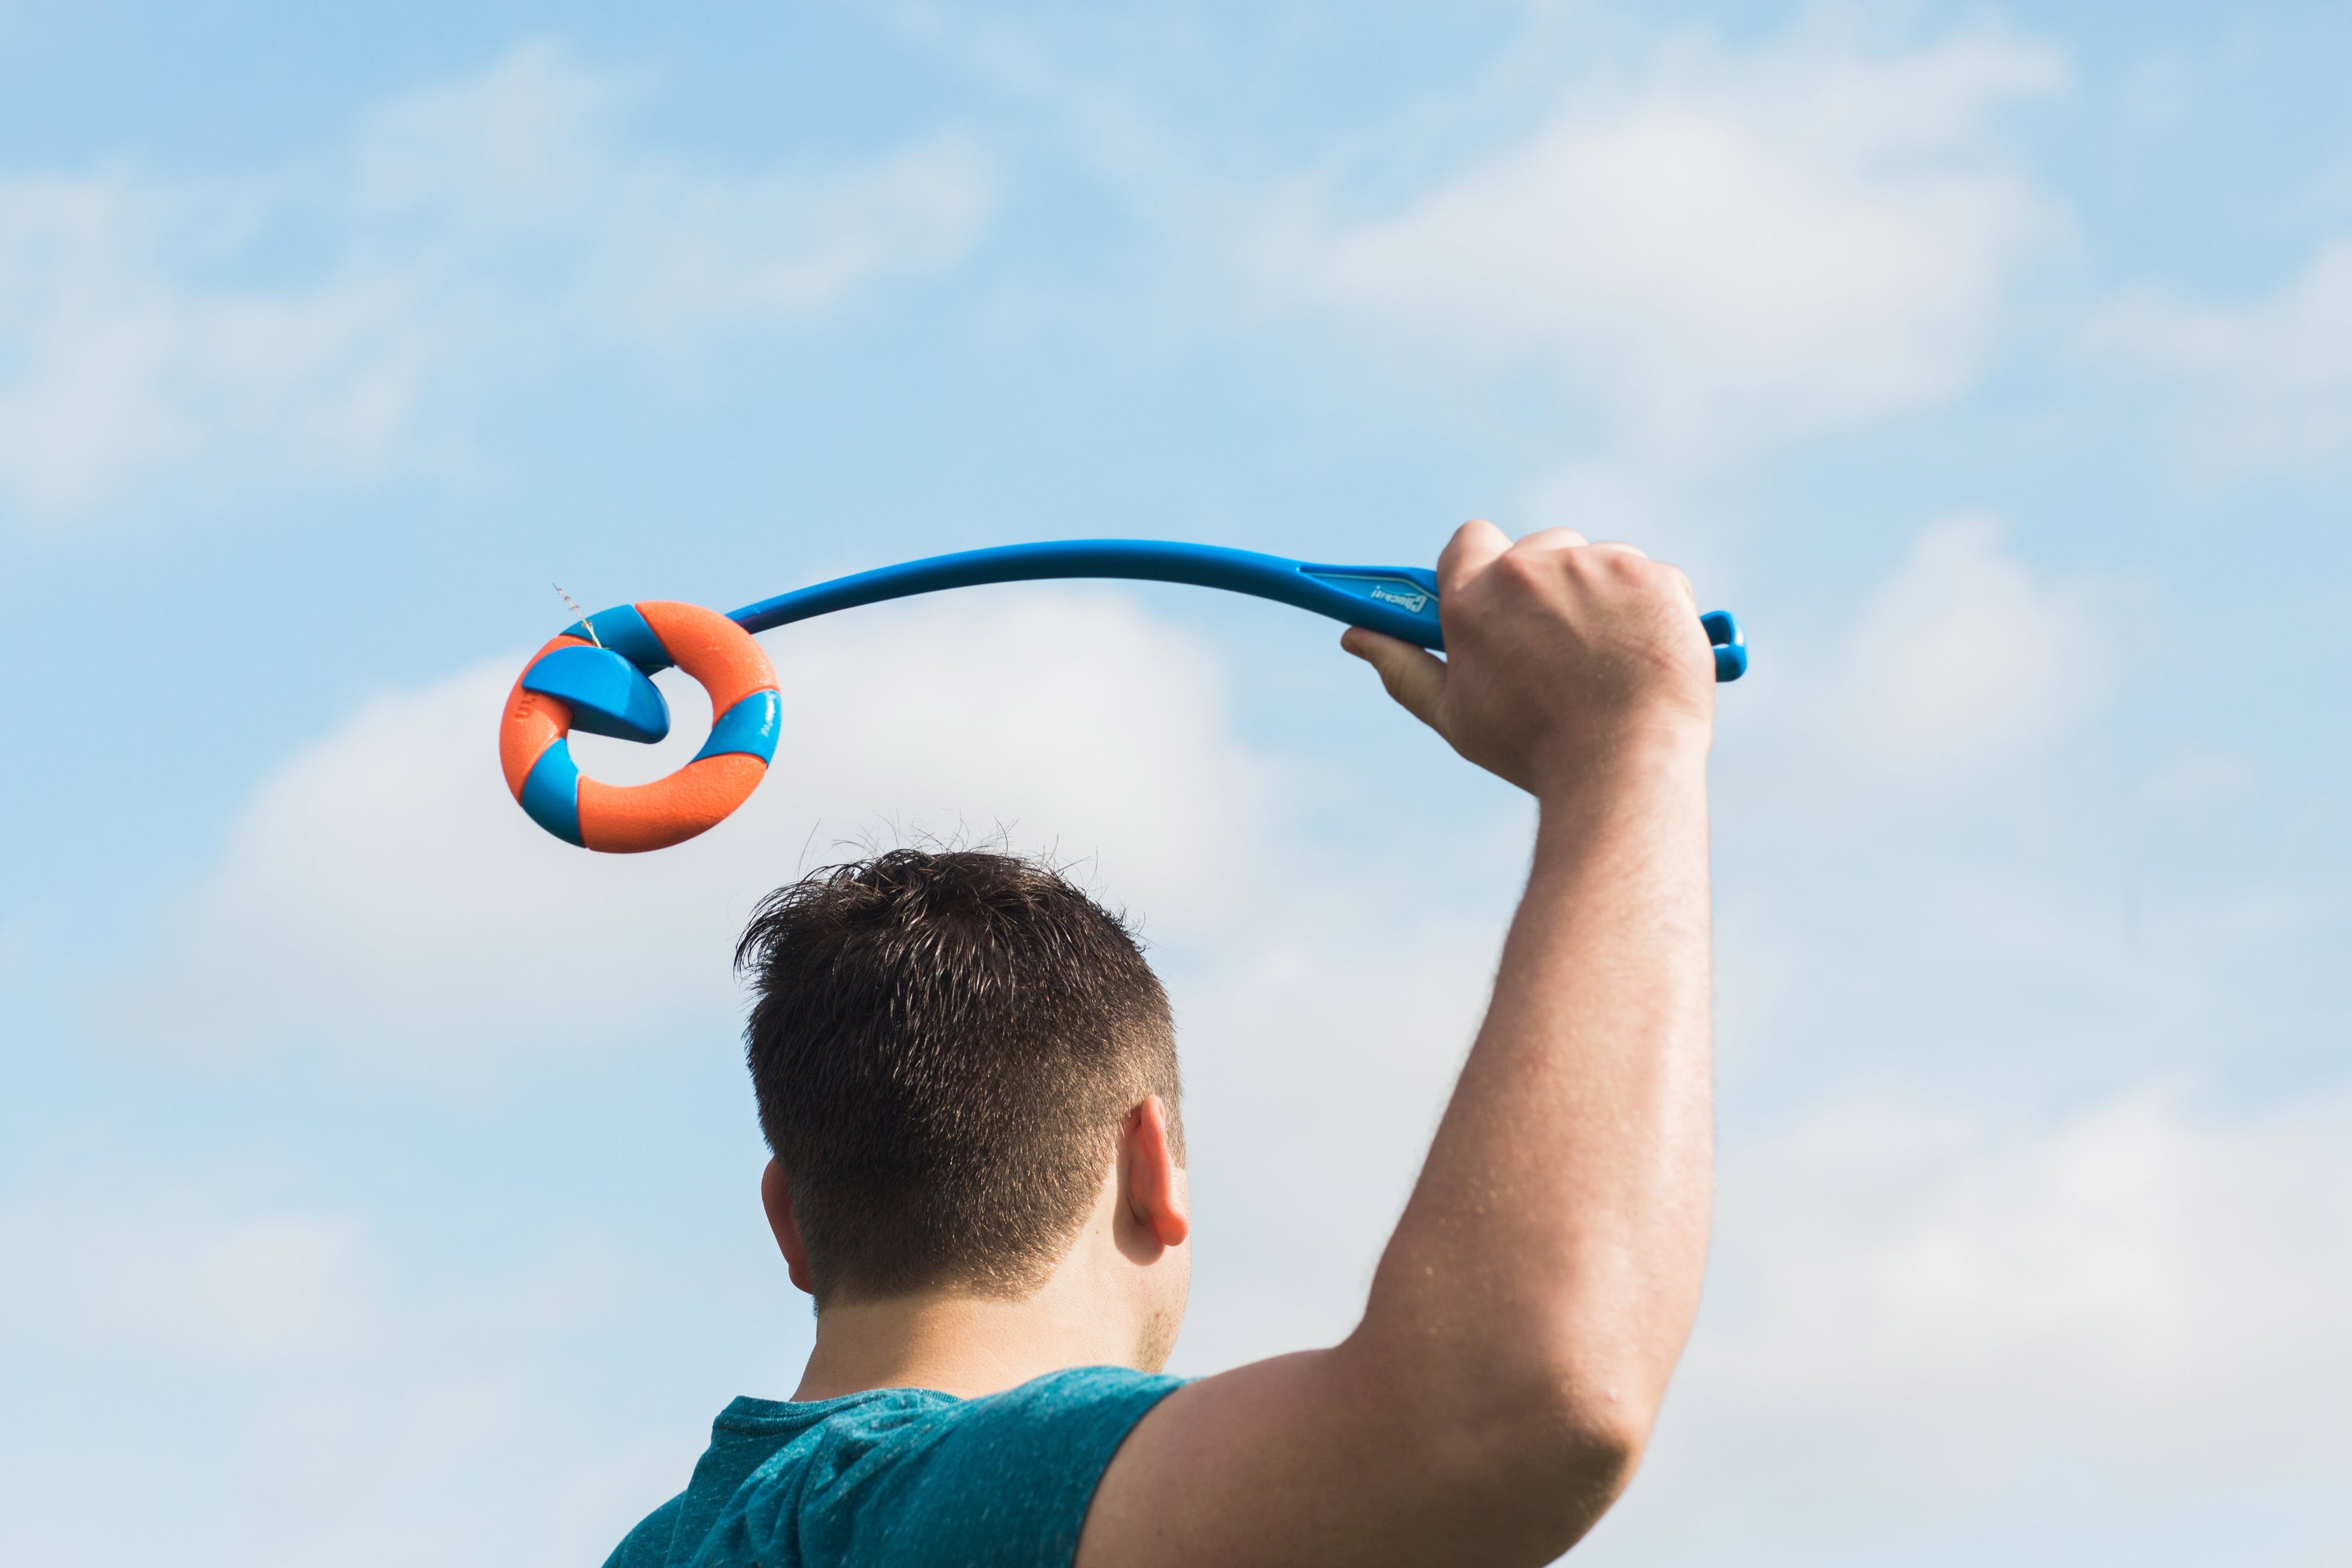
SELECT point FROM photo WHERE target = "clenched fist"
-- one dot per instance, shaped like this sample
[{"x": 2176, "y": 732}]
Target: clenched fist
[{"x": 1560, "y": 655}]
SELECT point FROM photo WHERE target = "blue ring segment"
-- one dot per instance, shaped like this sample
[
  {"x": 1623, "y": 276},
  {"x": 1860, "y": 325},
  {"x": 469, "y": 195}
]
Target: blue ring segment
[{"x": 1399, "y": 600}]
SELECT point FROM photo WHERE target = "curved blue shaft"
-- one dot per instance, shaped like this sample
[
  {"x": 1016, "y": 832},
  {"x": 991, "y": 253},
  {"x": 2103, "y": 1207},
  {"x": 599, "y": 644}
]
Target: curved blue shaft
[
  {"x": 1399, "y": 600},
  {"x": 604, "y": 686}
]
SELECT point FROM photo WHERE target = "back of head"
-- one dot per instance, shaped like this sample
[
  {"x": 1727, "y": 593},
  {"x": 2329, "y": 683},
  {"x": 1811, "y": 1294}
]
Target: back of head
[{"x": 945, "y": 1046}]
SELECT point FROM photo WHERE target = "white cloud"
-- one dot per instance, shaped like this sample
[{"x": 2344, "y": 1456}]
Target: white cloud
[
  {"x": 347, "y": 1409},
  {"x": 116, "y": 365},
  {"x": 529, "y": 170},
  {"x": 2134, "y": 1262},
  {"x": 1803, "y": 234},
  {"x": 270, "y": 1289},
  {"x": 1915, "y": 1308},
  {"x": 383, "y": 885},
  {"x": 387, "y": 1471},
  {"x": 327, "y": 319},
  {"x": 383, "y": 895},
  {"x": 2266, "y": 382},
  {"x": 1319, "y": 1047},
  {"x": 1963, "y": 657},
  {"x": 380, "y": 894},
  {"x": 152, "y": 1274}
]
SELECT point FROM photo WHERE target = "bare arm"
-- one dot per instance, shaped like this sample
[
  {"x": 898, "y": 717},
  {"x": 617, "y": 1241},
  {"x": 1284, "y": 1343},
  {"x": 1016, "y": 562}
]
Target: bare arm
[{"x": 1529, "y": 1310}]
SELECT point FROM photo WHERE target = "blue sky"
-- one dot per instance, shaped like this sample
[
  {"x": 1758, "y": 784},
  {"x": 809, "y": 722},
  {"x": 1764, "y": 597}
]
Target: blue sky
[{"x": 376, "y": 1174}]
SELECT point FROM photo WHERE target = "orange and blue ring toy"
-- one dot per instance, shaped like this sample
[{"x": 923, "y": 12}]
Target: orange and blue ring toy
[{"x": 593, "y": 677}]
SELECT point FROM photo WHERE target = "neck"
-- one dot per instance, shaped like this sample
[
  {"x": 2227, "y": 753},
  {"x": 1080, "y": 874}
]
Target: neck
[{"x": 966, "y": 1345}]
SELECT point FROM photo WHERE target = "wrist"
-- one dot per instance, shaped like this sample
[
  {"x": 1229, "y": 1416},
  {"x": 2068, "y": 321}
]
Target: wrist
[{"x": 1654, "y": 753}]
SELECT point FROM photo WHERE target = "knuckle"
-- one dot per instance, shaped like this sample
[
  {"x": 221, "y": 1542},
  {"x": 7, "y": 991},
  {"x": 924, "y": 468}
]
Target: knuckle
[
  {"x": 1519, "y": 568},
  {"x": 1634, "y": 573}
]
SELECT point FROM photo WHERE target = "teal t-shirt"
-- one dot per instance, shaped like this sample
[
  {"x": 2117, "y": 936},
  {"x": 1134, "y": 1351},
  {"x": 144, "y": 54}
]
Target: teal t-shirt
[{"x": 902, "y": 1475}]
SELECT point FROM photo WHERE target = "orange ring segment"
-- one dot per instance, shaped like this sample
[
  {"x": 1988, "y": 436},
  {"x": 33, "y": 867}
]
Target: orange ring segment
[{"x": 535, "y": 753}]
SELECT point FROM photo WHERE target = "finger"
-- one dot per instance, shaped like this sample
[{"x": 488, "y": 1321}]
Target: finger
[
  {"x": 1474, "y": 545},
  {"x": 1414, "y": 676},
  {"x": 1620, "y": 547},
  {"x": 1550, "y": 539}
]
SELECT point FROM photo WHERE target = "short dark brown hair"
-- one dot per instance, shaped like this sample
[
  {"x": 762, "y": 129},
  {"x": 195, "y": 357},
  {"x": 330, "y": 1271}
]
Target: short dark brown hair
[{"x": 945, "y": 1044}]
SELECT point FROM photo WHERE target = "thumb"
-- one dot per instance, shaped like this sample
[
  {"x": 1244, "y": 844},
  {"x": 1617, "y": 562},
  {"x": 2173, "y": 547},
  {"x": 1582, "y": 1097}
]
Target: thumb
[{"x": 1414, "y": 676}]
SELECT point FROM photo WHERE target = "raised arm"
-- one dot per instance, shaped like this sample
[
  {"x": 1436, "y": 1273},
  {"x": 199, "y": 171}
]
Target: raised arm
[{"x": 1531, "y": 1305}]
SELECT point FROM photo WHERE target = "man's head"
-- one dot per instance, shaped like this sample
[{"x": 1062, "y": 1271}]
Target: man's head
[{"x": 955, "y": 1055}]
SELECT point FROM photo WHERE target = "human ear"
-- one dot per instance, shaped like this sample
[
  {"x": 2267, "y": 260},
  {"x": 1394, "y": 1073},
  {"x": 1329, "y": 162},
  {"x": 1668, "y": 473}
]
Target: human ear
[
  {"x": 776, "y": 1197},
  {"x": 1155, "y": 1183}
]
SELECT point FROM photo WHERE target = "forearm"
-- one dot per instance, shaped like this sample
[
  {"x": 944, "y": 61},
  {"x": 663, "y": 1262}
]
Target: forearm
[{"x": 1554, "y": 1244}]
